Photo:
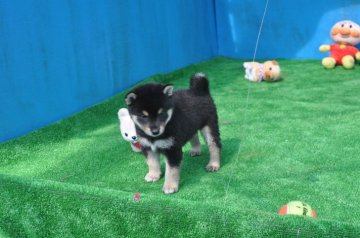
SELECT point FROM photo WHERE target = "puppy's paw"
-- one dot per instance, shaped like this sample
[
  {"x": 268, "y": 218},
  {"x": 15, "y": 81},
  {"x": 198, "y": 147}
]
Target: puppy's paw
[
  {"x": 170, "y": 188},
  {"x": 196, "y": 151},
  {"x": 152, "y": 177},
  {"x": 213, "y": 167}
]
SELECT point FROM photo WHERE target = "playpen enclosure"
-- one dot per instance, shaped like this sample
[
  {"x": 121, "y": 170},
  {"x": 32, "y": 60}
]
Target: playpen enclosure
[{"x": 76, "y": 178}]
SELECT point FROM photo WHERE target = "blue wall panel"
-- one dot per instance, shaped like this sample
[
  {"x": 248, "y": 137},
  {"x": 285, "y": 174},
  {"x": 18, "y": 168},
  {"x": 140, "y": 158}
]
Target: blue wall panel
[
  {"x": 58, "y": 57},
  {"x": 292, "y": 29}
]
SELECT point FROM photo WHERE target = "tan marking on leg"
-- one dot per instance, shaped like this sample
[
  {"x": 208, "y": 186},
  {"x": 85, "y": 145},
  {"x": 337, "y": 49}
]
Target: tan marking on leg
[
  {"x": 153, "y": 162},
  {"x": 195, "y": 146},
  {"x": 172, "y": 176},
  {"x": 214, "y": 150}
]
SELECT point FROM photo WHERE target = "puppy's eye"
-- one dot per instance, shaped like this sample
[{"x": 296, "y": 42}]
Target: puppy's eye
[
  {"x": 342, "y": 25},
  {"x": 350, "y": 26},
  {"x": 126, "y": 134},
  {"x": 144, "y": 114},
  {"x": 270, "y": 68}
]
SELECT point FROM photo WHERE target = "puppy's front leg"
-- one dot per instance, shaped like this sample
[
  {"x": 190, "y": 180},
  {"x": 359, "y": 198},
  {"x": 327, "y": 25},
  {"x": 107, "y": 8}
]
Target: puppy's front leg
[
  {"x": 152, "y": 159},
  {"x": 172, "y": 172}
]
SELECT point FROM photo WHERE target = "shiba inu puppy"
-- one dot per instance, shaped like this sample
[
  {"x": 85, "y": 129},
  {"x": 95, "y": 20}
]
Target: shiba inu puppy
[{"x": 166, "y": 120}]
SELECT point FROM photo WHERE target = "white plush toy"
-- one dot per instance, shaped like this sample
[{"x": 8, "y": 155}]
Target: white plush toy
[{"x": 127, "y": 129}]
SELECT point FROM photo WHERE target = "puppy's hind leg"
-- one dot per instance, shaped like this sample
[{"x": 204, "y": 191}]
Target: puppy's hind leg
[
  {"x": 212, "y": 137},
  {"x": 195, "y": 146}
]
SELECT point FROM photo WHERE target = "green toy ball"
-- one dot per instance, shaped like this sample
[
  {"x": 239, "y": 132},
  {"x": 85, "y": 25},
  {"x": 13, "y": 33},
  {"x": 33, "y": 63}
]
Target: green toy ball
[{"x": 297, "y": 208}]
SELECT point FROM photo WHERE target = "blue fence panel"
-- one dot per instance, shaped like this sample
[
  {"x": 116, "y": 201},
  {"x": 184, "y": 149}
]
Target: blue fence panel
[
  {"x": 58, "y": 57},
  {"x": 292, "y": 29}
]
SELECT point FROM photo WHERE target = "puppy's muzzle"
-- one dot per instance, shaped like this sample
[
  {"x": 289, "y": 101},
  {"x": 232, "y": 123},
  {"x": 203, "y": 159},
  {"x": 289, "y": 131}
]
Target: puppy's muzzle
[{"x": 155, "y": 131}]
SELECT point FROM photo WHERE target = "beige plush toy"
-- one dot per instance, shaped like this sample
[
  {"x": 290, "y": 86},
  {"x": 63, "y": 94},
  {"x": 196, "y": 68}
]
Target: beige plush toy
[
  {"x": 346, "y": 35},
  {"x": 268, "y": 71}
]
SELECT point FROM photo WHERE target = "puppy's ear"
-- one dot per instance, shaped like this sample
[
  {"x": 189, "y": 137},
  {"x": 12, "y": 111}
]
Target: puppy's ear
[
  {"x": 168, "y": 90},
  {"x": 130, "y": 98},
  {"x": 275, "y": 62}
]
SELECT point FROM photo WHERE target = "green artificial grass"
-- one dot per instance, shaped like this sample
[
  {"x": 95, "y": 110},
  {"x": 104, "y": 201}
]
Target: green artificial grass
[{"x": 296, "y": 139}]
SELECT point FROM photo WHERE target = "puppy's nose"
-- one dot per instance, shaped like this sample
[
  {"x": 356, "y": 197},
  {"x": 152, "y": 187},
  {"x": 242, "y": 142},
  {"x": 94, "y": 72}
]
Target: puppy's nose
[
  {"x": 134, "y": 137},
  {"x": 155, "y": 131}
]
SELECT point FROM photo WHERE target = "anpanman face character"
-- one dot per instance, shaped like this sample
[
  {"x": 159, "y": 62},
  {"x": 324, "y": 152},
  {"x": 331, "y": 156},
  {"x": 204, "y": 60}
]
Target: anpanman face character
[{"x": 346, "y": 32}]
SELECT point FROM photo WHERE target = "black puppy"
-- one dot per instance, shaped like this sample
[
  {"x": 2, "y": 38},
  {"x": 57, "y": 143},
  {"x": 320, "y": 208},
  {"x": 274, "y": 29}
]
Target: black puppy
[{"x": 165, "y": 120}]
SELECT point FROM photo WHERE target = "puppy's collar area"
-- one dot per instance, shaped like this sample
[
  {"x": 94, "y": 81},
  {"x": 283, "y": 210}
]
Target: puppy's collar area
[{"x": 157, "y": 144}]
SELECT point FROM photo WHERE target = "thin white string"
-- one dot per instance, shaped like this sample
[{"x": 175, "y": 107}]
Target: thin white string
[
  {"x": 248, "y": 91},
  {"x": 254, "y": 57},
  {"x": 260, "y": 29}
]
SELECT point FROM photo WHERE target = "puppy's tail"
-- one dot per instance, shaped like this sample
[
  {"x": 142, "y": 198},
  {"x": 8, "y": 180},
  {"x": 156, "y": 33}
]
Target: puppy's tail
[{"x": 199, "y": 84}]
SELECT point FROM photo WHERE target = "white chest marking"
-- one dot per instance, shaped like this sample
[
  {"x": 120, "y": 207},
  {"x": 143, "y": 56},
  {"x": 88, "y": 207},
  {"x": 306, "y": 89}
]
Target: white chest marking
[{"x": 158, "y": 144}]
